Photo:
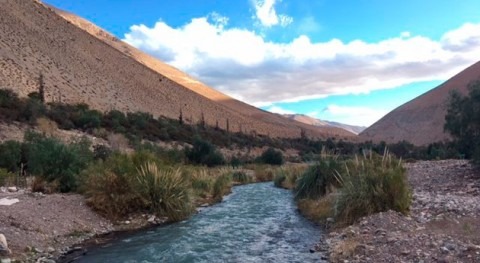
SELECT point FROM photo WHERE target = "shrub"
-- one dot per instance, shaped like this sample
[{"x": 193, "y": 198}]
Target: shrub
[
  {"x": 55, "y": 161},
  {"x": 110, "y": 186},
  {"x": 11, "y": 155},
  {"x": 272, "y": 156},
  {"x": 371, "y": 185},
  {"x": 319, "y": 179},
  {"x": 165, "y": 190},
  {"x": 204, "y": 153}
]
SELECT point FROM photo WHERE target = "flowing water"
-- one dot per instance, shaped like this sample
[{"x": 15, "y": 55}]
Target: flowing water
[{"x": 256, "y": 223}]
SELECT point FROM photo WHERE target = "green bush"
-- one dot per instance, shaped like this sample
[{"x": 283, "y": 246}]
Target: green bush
[
  {"x": 371, "y": 185},
  {"x": 110, "y": 187},
  {"x": 319, "y": 179},
  {"x": 166, "y": 191},
  {"x": 11, "y": 155},
  {"x": 272, "y": 156},
  {"x": 204, "y": 153},
  {"x": 55, "y": 161}
]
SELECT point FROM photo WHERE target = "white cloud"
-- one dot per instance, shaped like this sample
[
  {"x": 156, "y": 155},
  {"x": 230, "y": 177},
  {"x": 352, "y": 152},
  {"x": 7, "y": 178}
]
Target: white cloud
[
  {"x": 361, "y": 116},
  {"x": 243, "y": 64},
  {"x": 279, "y": 110},
  {"x": 267, "y": 15}
]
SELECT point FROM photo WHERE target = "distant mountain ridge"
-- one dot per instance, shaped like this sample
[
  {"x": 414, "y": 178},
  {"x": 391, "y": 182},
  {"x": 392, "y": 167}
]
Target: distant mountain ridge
[
  {"x": 421, "y": 120},
  {"x": 321, "y": 123},
  {"x": 82, "y": 63}
]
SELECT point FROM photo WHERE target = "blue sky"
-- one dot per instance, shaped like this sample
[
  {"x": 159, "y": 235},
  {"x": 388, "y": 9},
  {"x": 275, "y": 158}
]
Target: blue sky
[{"x": 349, "y": 61}]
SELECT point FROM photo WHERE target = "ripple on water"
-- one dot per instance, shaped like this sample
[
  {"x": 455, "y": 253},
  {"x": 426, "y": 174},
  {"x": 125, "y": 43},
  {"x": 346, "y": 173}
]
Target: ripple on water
[{"x": 256, "y": 223}]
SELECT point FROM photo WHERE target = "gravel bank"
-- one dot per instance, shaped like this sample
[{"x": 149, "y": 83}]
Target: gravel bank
[
  {"x": 443, "y": 226},
  {"x": 44, "y": 226}
]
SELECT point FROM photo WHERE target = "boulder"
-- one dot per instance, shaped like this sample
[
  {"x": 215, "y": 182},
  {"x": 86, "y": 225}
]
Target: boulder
[{"x": 4, "y": 246}]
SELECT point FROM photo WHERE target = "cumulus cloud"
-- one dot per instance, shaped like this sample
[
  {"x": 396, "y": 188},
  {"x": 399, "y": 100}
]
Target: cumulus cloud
[
  {"x": 360, "y": 116},
  {"x": 266, "y": 14},
  {"x": 243, "y": 64}
]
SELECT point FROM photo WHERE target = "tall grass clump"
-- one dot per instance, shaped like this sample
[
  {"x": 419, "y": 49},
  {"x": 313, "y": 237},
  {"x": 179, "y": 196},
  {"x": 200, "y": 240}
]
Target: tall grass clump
[
  {"x": 318, "y": 179},
  {"x": 110, "y": 187},
  {"x": 286, "y": 176},
  {"x": 165, "y": 191},
  {"x": 241, "y": 177},
  {"x": 200, "y": 180},
  {"x": 222, "y": 186},
  {"x": 370, "y": 185}
]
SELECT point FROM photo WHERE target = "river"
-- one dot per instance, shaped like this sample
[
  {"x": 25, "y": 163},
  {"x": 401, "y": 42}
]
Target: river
[{"x": 256, "y": 223}]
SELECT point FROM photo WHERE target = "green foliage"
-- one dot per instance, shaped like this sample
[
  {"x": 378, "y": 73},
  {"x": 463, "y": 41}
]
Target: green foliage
[
  {"x": 110, "y": 186},
  {"x": 319, "y": 179},
  {"x": 462, "y": 121},
  {"x": 7, "y": 178},
  {"x": 241, "y": 177},
  {"x": 101, "y": 152},
  {"x": 272, "y": 156},
  {"x": 370, "y": 185},
  {"x": 222, "y": 185},
  {"x": 166, "y": 191},
  {"x": 55, "y": 161},
  {"x": 204, "y": 153},
  {"x": 11, "y": 155},
  {"x": 278, "y": 179}
]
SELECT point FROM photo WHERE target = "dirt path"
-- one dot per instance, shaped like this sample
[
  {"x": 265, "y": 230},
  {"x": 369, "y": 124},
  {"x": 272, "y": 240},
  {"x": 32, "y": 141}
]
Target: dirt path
[{"x": 443, "y": 226}]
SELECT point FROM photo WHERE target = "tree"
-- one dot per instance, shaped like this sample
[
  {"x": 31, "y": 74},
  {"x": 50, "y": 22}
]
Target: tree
[{"x": 462, "y": 121}]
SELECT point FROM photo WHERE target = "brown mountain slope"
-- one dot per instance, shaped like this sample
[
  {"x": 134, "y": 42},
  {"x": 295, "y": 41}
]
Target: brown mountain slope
[
  {"x": 321, "y": 123},
  {"x": 82, "y": 63},
  {"x": 421, "y": 120}
]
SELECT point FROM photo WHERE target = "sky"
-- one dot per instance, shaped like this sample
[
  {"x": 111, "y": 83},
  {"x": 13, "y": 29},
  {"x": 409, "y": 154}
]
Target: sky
[{"x": 350, "y": 61}]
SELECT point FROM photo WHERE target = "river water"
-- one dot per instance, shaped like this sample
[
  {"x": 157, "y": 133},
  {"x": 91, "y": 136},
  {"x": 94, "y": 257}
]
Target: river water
[{"x": 256, "y": 223}]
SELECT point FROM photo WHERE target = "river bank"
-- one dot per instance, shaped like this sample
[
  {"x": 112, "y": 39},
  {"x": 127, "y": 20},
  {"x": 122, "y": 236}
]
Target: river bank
[{"x": 443, "y": 225}]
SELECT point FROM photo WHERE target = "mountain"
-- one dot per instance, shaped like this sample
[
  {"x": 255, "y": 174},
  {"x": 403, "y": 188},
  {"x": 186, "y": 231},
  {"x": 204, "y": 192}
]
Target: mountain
[
  {"x": 82, "y": 63},
  {"x": 320, "y": 123},
  {"x": 420, "y": 121}
]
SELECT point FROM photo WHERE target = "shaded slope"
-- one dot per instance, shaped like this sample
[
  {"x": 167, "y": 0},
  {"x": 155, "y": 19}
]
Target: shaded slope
[
  {"x": 109, "y": 74},
  {"x": 420, "y": 121}
]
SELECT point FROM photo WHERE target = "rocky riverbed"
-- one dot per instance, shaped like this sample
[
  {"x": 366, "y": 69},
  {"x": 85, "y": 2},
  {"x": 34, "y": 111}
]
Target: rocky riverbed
[
  {"x": 44, "y": 226},
  {"x": 443, "y": 225}
]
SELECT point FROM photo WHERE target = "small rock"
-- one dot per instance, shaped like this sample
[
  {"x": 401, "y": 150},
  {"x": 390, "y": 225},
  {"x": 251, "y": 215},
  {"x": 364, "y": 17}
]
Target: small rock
[
  {"x": 50, "y": 249},
  {"x": 444, "y": 250},
  {"x": 3, "y": 189},
  {"x": 5, "y": 260},
  {"x": 151, "y": 219},
  {"x": 12, "y": 189},
  {"x": 405, "y": 252},
  {"x": 127, "y": 222},
  {"x": 330, "y": 220}
]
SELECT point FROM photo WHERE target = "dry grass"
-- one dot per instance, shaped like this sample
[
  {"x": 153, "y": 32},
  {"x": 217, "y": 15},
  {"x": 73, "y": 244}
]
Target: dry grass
[{"x": 318, "y": 210}]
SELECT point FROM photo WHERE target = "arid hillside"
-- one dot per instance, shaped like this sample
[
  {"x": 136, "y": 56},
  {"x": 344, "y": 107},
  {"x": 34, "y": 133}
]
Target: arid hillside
[
  {"x": 81, "y": 63},
  {"x": 321, "y": 123},
  {"x": 420, "y": 121}
]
